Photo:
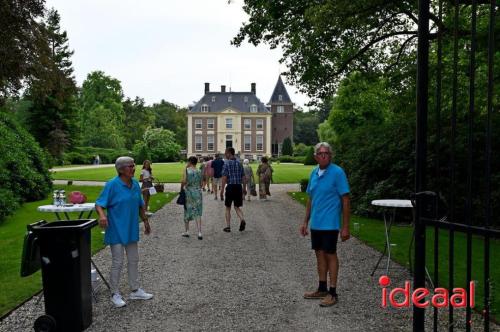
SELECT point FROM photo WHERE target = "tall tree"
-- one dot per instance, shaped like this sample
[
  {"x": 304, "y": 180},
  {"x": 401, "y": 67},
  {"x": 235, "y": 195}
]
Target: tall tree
[
  {"x": 52, "y": 117},
  {"x": 287, "y": 148},
  {"x": 304, "y": 127},
  {"x": 172, "y": 117},
  {"x": 19, "y": 46},
  {"x": 138, "y": 118},
  {"x": 101, "y": 111}
]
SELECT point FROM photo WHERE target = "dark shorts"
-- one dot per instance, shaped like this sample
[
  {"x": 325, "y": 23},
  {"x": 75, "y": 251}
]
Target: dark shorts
[
  {"x": 234, "y": 193},
  {"x": 324, "y": 240}
]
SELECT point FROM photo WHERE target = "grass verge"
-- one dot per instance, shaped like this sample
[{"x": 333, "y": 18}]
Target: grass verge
[{"x": 15, "y": 289}]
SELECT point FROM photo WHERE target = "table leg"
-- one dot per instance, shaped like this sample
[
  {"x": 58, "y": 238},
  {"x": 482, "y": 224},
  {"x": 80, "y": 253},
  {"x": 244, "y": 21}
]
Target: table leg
[
  {"x": 387, "y": 247},
  {"x": 58, "y": 216},
  {"x": 100, "y": 274},
  {"x": 67, "y": 216}
]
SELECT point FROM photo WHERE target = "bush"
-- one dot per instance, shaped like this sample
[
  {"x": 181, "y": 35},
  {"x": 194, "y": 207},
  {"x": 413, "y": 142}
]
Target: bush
[
  {"x": 290, "y": 159},
  {"x": 85, "y": 155},
  {"x": 287, "y": 148},
  {"x": 300, "y": 149},
  {"x": 303, "y": 185},
  {"x": 309, "y": 159},
  {"x": 25, "y": 176}
]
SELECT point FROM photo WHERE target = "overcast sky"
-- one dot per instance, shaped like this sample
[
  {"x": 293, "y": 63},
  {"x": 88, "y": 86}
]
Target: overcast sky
[{"x": 168, "y": 49}]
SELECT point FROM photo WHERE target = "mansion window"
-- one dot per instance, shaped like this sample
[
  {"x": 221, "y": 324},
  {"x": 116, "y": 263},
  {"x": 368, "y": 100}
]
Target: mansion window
[
  {"x": 210, "y": 123},
  {"x": 198, "y": 124},
  {"x": 253, "y": 109},
  {"x": 280, "y": 97},
  {"x": 229, "y": 123},
  {"x": 229, "y": 99},
  {"x": 198, "y": 143},
  {"x": 204, "y": 108},
  {"x": 260, "y": 142},
  {"x": 210, "y": 143},
  {"x": 281, "y": 109},
  {"x": 245, "y": 99},
  {"x": 248, "y": 142},
  {"x": 213, "y": 99},
  {"x": 247, "y": 123},
  {"x": 259, "y": 124}
]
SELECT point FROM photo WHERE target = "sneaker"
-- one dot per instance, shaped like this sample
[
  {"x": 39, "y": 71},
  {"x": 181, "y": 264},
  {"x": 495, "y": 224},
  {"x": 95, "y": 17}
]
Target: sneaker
[
  {"x": 118, "y": 300},
  {"x": 227, "y": 229},
  {"x": 242, "y": 225},
  {"x": 185, "y": 234},
  {"x": 140, "y": 294},
  {"x": 329, "y": 300},
  {"x": 315, "y": 295}
]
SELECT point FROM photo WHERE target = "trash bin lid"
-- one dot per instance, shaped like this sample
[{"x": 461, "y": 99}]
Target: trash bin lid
[{"x": 78, "y": 225}]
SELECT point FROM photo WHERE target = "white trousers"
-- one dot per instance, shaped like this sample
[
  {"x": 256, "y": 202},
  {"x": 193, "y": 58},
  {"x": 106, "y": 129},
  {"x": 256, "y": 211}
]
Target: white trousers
[{"x": 117, "y": 252}]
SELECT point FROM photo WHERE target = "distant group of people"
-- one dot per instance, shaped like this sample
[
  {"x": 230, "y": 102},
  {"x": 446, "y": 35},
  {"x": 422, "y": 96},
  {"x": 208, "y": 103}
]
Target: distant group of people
[{"x": 122, "y": 202}]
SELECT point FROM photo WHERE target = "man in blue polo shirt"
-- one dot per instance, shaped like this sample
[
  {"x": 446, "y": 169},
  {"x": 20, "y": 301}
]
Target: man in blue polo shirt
[{"x": 328, "y": 192}]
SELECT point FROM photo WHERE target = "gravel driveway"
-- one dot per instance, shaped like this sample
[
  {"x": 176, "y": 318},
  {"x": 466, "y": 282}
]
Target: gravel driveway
[{"x": 239, "y": 281}]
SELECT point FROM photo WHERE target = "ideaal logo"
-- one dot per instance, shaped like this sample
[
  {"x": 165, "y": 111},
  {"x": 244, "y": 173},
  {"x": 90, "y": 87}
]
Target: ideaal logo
[{"x": 440, "y": 299}]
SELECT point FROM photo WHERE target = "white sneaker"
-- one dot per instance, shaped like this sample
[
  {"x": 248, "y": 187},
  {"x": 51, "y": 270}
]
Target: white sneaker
[
  {"x": 118, "y": 300},
  {"x": 140, "y": 294}
]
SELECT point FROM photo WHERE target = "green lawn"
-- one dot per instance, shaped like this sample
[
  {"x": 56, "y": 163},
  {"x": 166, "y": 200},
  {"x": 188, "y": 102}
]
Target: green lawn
[
  {"x": 16, "y": 289},
  {"x": 172, "y": 172},
  {"x": 371, "y": 232}
]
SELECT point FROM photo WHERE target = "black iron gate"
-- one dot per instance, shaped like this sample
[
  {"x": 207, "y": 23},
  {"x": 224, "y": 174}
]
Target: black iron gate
[{"x": 456, "y": 194}]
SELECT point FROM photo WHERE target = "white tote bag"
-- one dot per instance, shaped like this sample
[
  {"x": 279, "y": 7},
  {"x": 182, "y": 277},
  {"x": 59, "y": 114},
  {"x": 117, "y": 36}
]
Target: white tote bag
[{"x": 152, "y": 191}]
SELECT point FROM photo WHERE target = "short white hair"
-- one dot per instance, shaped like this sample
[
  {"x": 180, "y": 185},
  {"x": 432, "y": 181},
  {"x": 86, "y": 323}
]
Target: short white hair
[
  {"x": 246, "y": 162},
  {"x": 322, "y": 145},
  {"x": 123, "y": 162}
]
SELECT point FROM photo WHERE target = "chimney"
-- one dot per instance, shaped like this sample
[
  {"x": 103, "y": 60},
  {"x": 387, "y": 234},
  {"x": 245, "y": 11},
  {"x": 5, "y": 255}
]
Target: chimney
[
  {"x": 253, "y": 88},
  {"x": 222, "y": 88},
  {"x": 207, "y": 88}
]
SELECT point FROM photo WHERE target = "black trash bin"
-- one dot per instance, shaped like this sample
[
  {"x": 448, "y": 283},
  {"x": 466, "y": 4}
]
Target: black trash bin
[{"x": 65, "y": 261}]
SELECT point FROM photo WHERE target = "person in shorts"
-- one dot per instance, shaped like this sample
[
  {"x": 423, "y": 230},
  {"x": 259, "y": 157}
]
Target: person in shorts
[
  {"x": 233, "y": 179},
  {"x": 217, "y": 166},
  {"x": 328, "y": 192}
]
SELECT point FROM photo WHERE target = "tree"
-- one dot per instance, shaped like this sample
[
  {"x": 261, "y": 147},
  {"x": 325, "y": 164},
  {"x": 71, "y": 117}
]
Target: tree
[
  {"x": 19, "y": 46},
  {"x": 160, "y": 144},
  {"x": 309, "y": 160},
  {"x": 322, "y": 41},
  {"x": 138, "y": 118},
  {"x": 101, "y": 111},
  {"x": 287, "y": 148},
  {"x": 172, "y": 117},
  {"x": 52, "y": 116},
  {"x": 304, "y": 127}
]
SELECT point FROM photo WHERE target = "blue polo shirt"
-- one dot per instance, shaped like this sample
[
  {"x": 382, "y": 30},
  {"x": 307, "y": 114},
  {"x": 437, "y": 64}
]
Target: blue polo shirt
[
  {"x": 325, "y": 192},
  {"x": 122, "y": 204}
]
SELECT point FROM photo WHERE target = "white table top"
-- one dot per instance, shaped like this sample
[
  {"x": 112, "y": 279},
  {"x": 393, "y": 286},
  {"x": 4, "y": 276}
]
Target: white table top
[
  {"x": 67, "y": 208},
  {"x": 403, "y": 203}
]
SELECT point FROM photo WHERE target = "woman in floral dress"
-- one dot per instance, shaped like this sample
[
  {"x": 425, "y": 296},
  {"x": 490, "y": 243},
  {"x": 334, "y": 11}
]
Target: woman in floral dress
[{"x": 191, "y": 183}]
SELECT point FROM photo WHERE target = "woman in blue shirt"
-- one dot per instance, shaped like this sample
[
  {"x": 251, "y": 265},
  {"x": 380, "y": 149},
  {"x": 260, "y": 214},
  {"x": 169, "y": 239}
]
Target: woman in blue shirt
[{"x": 122, "y": 199}]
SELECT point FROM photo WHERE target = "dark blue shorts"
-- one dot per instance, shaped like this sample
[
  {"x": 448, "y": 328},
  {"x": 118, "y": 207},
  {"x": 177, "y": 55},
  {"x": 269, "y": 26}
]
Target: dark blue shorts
[
  {"x": 324, "y": 240},
  {"x": 234, "y": 193}
]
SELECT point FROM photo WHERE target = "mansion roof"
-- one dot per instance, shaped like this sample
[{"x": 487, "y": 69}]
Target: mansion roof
[{"x": 213, "y": 102}]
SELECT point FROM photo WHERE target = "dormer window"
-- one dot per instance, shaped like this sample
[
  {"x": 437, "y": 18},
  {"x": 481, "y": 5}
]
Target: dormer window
[
  {"x": 280, "y": 97},
  {"x": 253, "y": 109},
  {"x": 229, "y": 99},
  {"x": 213, "y": 99},
  {"x": 204, "y": 108},
  {"x": 245, "y": 99}
]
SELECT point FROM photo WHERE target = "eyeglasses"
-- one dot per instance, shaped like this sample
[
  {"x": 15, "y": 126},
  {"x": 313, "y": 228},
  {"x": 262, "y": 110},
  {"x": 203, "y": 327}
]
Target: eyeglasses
[
  {"x": 323, "y": 154},
  {"x": 130, "y": 166}
]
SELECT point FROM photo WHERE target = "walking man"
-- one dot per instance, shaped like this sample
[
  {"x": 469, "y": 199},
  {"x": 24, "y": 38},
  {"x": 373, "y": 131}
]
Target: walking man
[
  {"x": 328, "y": 192},
  {"x": 233, "y": 177},
  {"x": 217, "y": 165}
]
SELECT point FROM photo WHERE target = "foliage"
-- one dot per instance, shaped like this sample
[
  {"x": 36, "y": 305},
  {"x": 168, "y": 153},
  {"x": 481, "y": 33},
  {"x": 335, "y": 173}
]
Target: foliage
[
  {"x": 141, "y": 153},
  {"x": 287, "y": 148},
  {"x": 25, "y": 176},
  {"x": 300, "y": 149},
  {"x": 20, "y": 46},
  {"x": 309, "y": 160},
  {"x": 160, "y": 144},
  {"x": 85, "y": 155},
  {"x": 138, "y": 118},
  {"x": 101, "y": 111},
  {"x": 291, "y": 159},
  {"x": 52, "y": 115},
  {"x": 304, "y": 127},
  {"x": 173, "y": 118}
]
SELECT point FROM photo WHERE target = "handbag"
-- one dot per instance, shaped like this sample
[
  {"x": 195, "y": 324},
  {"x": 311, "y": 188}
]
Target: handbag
[
  {"x": 152, "y": 190},
  {"x": 181, "y": 200}
]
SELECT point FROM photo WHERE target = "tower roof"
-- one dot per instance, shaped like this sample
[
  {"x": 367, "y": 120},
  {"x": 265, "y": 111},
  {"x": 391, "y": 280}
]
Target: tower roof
[{"x": 280, "y": 89}]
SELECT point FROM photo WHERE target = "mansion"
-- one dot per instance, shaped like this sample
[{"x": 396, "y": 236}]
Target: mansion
[{"x": 222, "y": 119}]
